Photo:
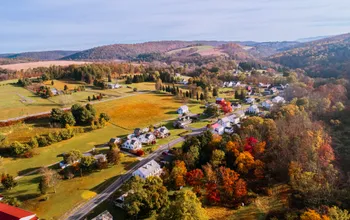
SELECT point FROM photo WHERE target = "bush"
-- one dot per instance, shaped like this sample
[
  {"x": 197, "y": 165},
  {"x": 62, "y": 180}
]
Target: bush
[
  {"x": 18, "y": 148},
  {"x": 135, "y": 89},
  {"x": 33, "y": 143},
  {"x": 65, "y": 134},
  {"x": 140, "y": 153},
  {"x": 8, "y": 181},
  {"x": 43, "y": 142}
]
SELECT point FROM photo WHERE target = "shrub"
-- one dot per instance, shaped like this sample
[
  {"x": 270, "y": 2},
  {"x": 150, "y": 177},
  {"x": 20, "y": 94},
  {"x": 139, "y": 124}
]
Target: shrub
[
  {"x": 140, "y": 153},
  {"x": 33, "y": 143},
  {"x": 104, "y": 116},
  {"x": 18, "y": 148},
  {"x": 8, "y": 181},
  {"x": 43, "y": 142}
]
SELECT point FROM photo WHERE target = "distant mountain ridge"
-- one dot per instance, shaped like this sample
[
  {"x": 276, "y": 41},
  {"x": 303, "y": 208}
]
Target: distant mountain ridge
[
  {"x": 329, "y": 57},
  {"x": 130, "y": 51},
  {"x": 40, "y": 55}
]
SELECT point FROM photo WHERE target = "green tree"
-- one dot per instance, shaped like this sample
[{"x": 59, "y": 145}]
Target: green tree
[
  {"x": 217, "y": 158},
  {"x": 87, "y": 162},
  {"x": 215, "y": 92},
  {"x": 145, "y": 196},
  {"x": 56, "y": 114},
  {"x": 72, "y": 156},
  {"x": 67, "y": 119},
  {"x": 212, "y": 111},
  {"x": 104, "y": 116},
  {"x": 8, "y": 181},
  {"x": 185, "y": 206}
]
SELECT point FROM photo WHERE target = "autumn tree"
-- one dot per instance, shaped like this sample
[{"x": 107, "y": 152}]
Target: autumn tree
[
  {"x": 8, "y": 181},
  {"x": 228, "y": 179},
  {"x": 113, "y": 156},
  {"x": 49, "y": 179},
  {"x": 217, "y": 158},
  {"x": 185, "y": 206},
  {"x": 178, "y": 173},
  {"x": 195, "y": 178},
  {"x": 244, "y": 162}
]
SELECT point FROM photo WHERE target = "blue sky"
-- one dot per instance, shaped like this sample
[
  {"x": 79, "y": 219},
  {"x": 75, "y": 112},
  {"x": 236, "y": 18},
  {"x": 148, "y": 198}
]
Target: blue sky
[{"x": 34, "y": 25}]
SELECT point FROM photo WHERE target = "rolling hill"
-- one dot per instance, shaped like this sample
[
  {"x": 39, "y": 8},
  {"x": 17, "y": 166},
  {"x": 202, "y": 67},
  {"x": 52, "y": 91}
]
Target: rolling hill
[
  {"x": 42, "y": 55},
  {"x": 328, "y": 57}
]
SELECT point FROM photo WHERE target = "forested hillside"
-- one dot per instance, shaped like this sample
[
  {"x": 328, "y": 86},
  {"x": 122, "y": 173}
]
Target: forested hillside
[
  {"x": 323, "y": 58},
  {"x": 42, "y": 55}
]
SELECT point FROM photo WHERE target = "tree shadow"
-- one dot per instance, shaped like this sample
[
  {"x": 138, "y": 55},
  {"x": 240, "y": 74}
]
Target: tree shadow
[{"x": 28, "y": 170}]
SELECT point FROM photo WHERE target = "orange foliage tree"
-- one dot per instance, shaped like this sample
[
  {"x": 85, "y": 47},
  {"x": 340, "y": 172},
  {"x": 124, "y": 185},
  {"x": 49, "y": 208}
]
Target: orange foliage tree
[{"x": 178, "y": 173}]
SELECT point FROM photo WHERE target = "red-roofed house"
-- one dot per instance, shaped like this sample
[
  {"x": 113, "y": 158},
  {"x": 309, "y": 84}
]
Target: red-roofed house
[{"x": 8, "y": 212}]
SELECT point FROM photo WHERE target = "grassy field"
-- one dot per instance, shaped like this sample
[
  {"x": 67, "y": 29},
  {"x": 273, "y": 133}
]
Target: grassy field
[
  {"x": 198, "y": 48},
  {"x": 24, "y": 131},
  {"x": 50, "y": 154},
  {"x": 25, "y": 66},
  {"x": 70, "y": 193},
  {"x": 17, "y": 101},
  {"x": 140, "y": 110},
  {"x": 59, "y": 84}
]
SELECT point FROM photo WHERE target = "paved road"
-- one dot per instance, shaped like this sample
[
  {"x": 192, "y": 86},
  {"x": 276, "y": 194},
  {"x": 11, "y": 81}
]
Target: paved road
[{"x": 105, "y": 194}]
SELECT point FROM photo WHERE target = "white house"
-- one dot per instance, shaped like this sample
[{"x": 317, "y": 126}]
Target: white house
[
  {"x": 183, "y": 109},
  {"x": 278, "y": 99},
  {"x": 132, "y": 144},
  {"x": 162, "y": 132},
  {"x": 113, "y": 86},
  {"x": 151, "y": 168},
  {"x": 148, "y": 138},
  {"x": 250, "y": 100},
  {"x": 217, "y": 129},
  {"x": 104, "y": 216},
  {"x": 253, "y": 109},
  {"x": 229, "y": 121},
  {"x": 267, "y": 104}
]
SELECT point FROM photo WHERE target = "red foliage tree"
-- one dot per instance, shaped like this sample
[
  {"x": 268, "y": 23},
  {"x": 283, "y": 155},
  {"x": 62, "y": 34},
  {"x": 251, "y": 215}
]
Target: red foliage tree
[
  {"x": 194, "y": 177},
  {"x": 240, "y": 188},
  {"x": 213, "y": 194}
]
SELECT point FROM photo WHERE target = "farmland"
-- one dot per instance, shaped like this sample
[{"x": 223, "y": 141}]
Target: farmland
[{"x": 25, "y": 66}]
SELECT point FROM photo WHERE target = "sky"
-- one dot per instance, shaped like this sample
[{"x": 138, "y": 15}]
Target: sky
[{"x": 37, "y": 25}]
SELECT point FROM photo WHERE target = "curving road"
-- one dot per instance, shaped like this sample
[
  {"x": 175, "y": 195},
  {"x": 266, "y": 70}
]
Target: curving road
[{"x": 80, "y": 212}]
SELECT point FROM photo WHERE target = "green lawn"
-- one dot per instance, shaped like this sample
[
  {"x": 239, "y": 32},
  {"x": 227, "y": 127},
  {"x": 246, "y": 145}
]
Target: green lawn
[
  {"x": 70, "y": 193},
  {"x": 17, "y": 101},
  {"x": 48, "y": 155}
]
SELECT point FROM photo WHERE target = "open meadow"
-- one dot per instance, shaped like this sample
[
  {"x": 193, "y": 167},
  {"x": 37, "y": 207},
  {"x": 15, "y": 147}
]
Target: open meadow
[
  {"x": 25, "y": 66},
  {"x": 140, "y": 110}
]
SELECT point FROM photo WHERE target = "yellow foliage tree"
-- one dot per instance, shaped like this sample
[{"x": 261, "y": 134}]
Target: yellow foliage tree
[{"x": 245, "y": 162}]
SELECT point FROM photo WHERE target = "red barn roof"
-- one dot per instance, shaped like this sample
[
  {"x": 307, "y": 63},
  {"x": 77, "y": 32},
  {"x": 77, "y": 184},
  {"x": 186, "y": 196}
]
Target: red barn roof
[{"x": 8, "y": 212}]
